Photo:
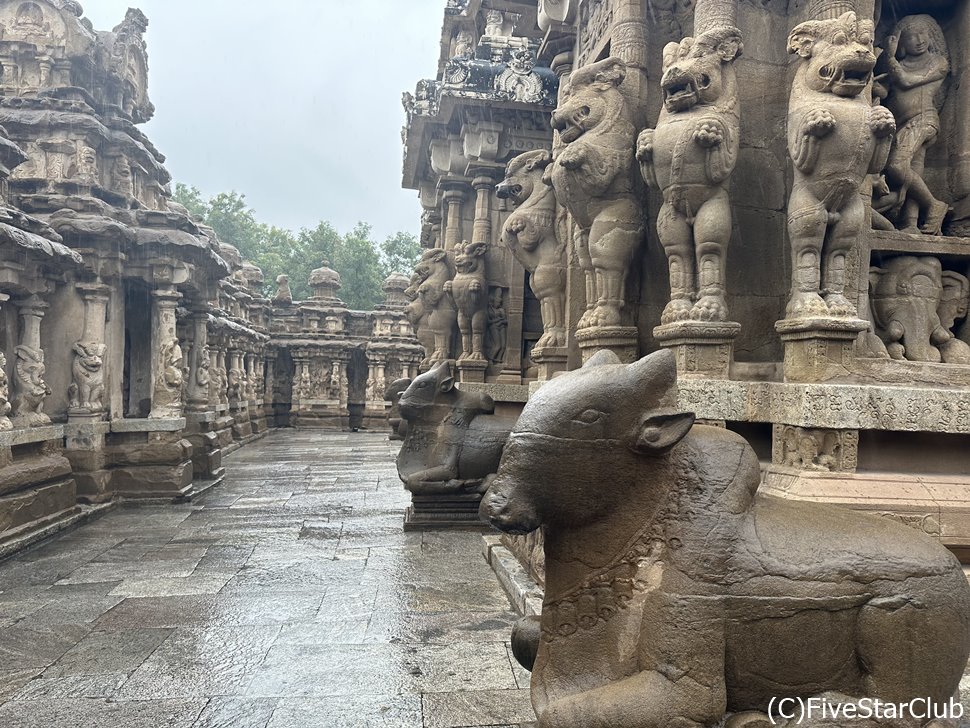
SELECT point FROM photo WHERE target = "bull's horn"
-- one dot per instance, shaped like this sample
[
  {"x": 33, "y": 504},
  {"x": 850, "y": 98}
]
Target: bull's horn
[
  {"x": 601, "y": 358},
  {"x": 658, "y": 371}
]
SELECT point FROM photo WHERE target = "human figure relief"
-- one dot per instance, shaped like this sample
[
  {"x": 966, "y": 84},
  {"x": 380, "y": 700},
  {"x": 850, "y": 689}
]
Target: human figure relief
[
  {"x": 469, "y": 290},
  {"x": 917, "y": 66}
]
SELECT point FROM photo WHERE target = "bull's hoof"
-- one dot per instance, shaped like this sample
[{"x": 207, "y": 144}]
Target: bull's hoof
[
  {"x": 710, "y": 308},
  {"x": 679, "y": 309}
]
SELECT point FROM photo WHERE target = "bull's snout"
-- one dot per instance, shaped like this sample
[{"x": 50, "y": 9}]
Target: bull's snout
[{"x": 506, "y": 510}]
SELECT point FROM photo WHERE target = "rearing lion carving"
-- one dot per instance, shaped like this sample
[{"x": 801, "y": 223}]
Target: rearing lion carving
[
  {"x": 531, "y": 233},
  {"x": 434, "y": 270},
  {"x": 87, "y": 389},
  {"x": 690, "y": 157},
  {"x": 835, "y": 138}
]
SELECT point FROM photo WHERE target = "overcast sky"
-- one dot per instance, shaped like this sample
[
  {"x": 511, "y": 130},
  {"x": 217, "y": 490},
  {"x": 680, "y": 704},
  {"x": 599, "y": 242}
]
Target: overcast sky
[{"x": 296, "y": 103}]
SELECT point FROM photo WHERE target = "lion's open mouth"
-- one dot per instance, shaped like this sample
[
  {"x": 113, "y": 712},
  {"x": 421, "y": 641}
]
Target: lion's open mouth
[
  {"x": 852, "y": 78},
  {"x": 680, "y": 94}
]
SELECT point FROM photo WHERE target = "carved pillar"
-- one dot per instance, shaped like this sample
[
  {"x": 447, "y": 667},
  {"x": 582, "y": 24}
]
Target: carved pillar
[
  {"x": 301, "y": 380},
  {"x": 87, "y": 390},
  {"x": 166, "y": 356},
  {"x": 343, "y": 393},
  {"x": 30, "y": 389},
  {"x": 200, "y": 374},
  {"x": 5, "y": 406},
  {"x": 453, "y": 199},
  {"x": 484, "y": 186}
]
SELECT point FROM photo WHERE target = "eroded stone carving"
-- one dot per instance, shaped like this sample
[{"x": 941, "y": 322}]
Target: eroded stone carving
[
  {"x": 907, "y": 297},
  {"x": 454, "y": 439},
  {"x": 497, "y": 327},
  {"x": 167, "y": 396},
  {"x": 5, "y": 406},
  {"x": 531, "y": 233},
  {"x": 393, "y": 394},
  {"x": 690, "y": 157},
  {"x": 816, "y": 449},
  {"x": 30, "y": 388},
  {"x": 917, "y": 66},
  {"x": 87, "y": 389},
  {"x": 469, "y": 290},
  {"x": 283, "y": 295},
  {"x": 593, "y": 176},
  {"x": 663, "y": 589},
  {"x": 835, "y": 138},
  {"x": 431, "y": 274}
]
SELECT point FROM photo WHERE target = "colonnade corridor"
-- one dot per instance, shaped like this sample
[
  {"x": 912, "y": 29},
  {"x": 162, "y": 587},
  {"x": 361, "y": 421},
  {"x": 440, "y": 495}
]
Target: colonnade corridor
[{"x": 288, "y": 596}]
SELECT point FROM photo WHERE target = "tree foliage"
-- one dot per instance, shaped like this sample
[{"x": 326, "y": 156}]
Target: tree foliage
[{"x": 362, "y": 263}]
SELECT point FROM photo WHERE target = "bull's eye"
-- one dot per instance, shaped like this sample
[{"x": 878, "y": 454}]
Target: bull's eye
[{"x": 590, "y": 417}]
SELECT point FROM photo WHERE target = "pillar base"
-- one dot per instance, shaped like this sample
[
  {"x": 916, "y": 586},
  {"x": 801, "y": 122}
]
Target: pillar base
[
  {"x": 703, "y": 349},
  {"x": 472, "y": 370},
  {"x": 621, "y": 340},
  {"x": 818, "y": 349},
  {"x": 444, "y": 510},
  {"x": 550, "y": 360}
]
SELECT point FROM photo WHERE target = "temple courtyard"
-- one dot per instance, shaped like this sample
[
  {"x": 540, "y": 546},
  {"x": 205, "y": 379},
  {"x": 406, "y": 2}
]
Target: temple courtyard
[{"x": 287, "y": 596}]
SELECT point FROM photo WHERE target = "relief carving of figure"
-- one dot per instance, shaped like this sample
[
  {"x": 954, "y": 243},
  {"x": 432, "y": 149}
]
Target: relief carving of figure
[
  {"x": 202, "y": 374},
  {"x": 835, "y": 138},
  {"x": 690, "y": 157},
  {"x": 676, "y": 592},
  {"x": 531, "y": 233},
  {"x": 283, "y": 295},
  {"x": 30, "y": 388},
  {"x": 434, "y": 270},
  {"x": 497, "y": 328},
  {"x": 593, "y": 176},
  {"x": 907, "y": 296},
  {"x": 122, "y": 177},
  {"x": 87, "y": 164},
  {"x": 167, "y": 397},
  {"x": 5, "y": 406},
  {"x": 417, "y": 315},
  {"x": 469, "y": 290},
  {"x": 954, "y": 306},
  {"x": 87, "y": 389},
  {"x": 917, "y": 67}
]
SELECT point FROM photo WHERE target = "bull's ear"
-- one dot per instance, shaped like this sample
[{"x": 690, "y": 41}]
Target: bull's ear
[
  {"x": 446, "y": 377},
  {"x": 661, "y": 431},
  {"x": 601, "y": 358}
]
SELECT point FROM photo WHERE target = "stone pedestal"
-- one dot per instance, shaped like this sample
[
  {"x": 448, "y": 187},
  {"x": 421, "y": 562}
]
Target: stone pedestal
[
  {"x": 550, "y": 360},
  {"x": 458, "y": 510},
  {"x": 621, "y": 340},
  {"x": 202, "y": 430},
  {"x": 150, "y": 459},
  {"x": 704, "y": 349},
  {"x": 472, "y": 370},
  {"x": 818, "y": 349},
  {"x": 84, "y": 440}
]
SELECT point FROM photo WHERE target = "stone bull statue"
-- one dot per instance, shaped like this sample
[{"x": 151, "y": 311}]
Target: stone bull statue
[
  {"x": 454, "y": 440},
  {"x": 676, "y": 595}
]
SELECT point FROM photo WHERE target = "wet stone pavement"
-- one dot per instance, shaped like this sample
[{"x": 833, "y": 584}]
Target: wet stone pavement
[{"x": 287, "y": 597}]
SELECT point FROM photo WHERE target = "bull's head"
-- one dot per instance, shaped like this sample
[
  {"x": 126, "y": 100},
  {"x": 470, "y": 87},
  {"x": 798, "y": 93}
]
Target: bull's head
[
  {"x": 583, "y": 440},
  {"x": 426, "y": 390}
]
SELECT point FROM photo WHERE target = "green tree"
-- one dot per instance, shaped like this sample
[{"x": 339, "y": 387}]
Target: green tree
[
  {"x": 359, "y": 266},
  {"x": 235, "y": 223},
  {"x": 191, "y": 199},
  {"x": 399, "y": 253}
]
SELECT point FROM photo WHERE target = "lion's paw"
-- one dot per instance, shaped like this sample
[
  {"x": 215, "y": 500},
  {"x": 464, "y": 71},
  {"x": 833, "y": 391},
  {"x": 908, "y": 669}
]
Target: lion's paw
[
  {"x": 839, "y": 305},
  {"x": 678, "y": 309},
  {"x": 881, "y": 122},
  {"x": 806, "y": 305},
  {"x": 819, "y": 122},
  {"x": 710, "y": 308},
  {"x": 645, "y": 145},
  {"x": 709, "y": 135}
]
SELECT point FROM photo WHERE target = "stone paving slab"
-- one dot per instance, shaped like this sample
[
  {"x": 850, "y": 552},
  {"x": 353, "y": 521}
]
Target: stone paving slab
[{"x": 287, "y": 597}]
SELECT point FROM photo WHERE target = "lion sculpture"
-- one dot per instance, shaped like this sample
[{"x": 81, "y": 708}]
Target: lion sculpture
[
  {"x": 690, "y": 157},
  {"x": 469, "y": 290},
  {"x": 593, "y": 174},
  {"x": 531, "y": 233},
  {"x": 835, "y": 138},
  {"x": 434, "y": 270},
  {"x": 87, "y": 389}
]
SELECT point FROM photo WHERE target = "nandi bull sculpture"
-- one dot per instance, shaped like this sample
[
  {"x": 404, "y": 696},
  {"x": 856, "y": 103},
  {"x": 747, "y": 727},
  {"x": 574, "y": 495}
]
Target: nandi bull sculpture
[{"x": 676, "y": 594}]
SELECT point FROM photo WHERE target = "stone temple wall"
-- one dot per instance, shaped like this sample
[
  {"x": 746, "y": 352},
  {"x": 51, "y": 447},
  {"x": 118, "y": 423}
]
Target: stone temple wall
[
  {"x": 136, "y": 349},
  {"x": 776, "y": 192}
]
